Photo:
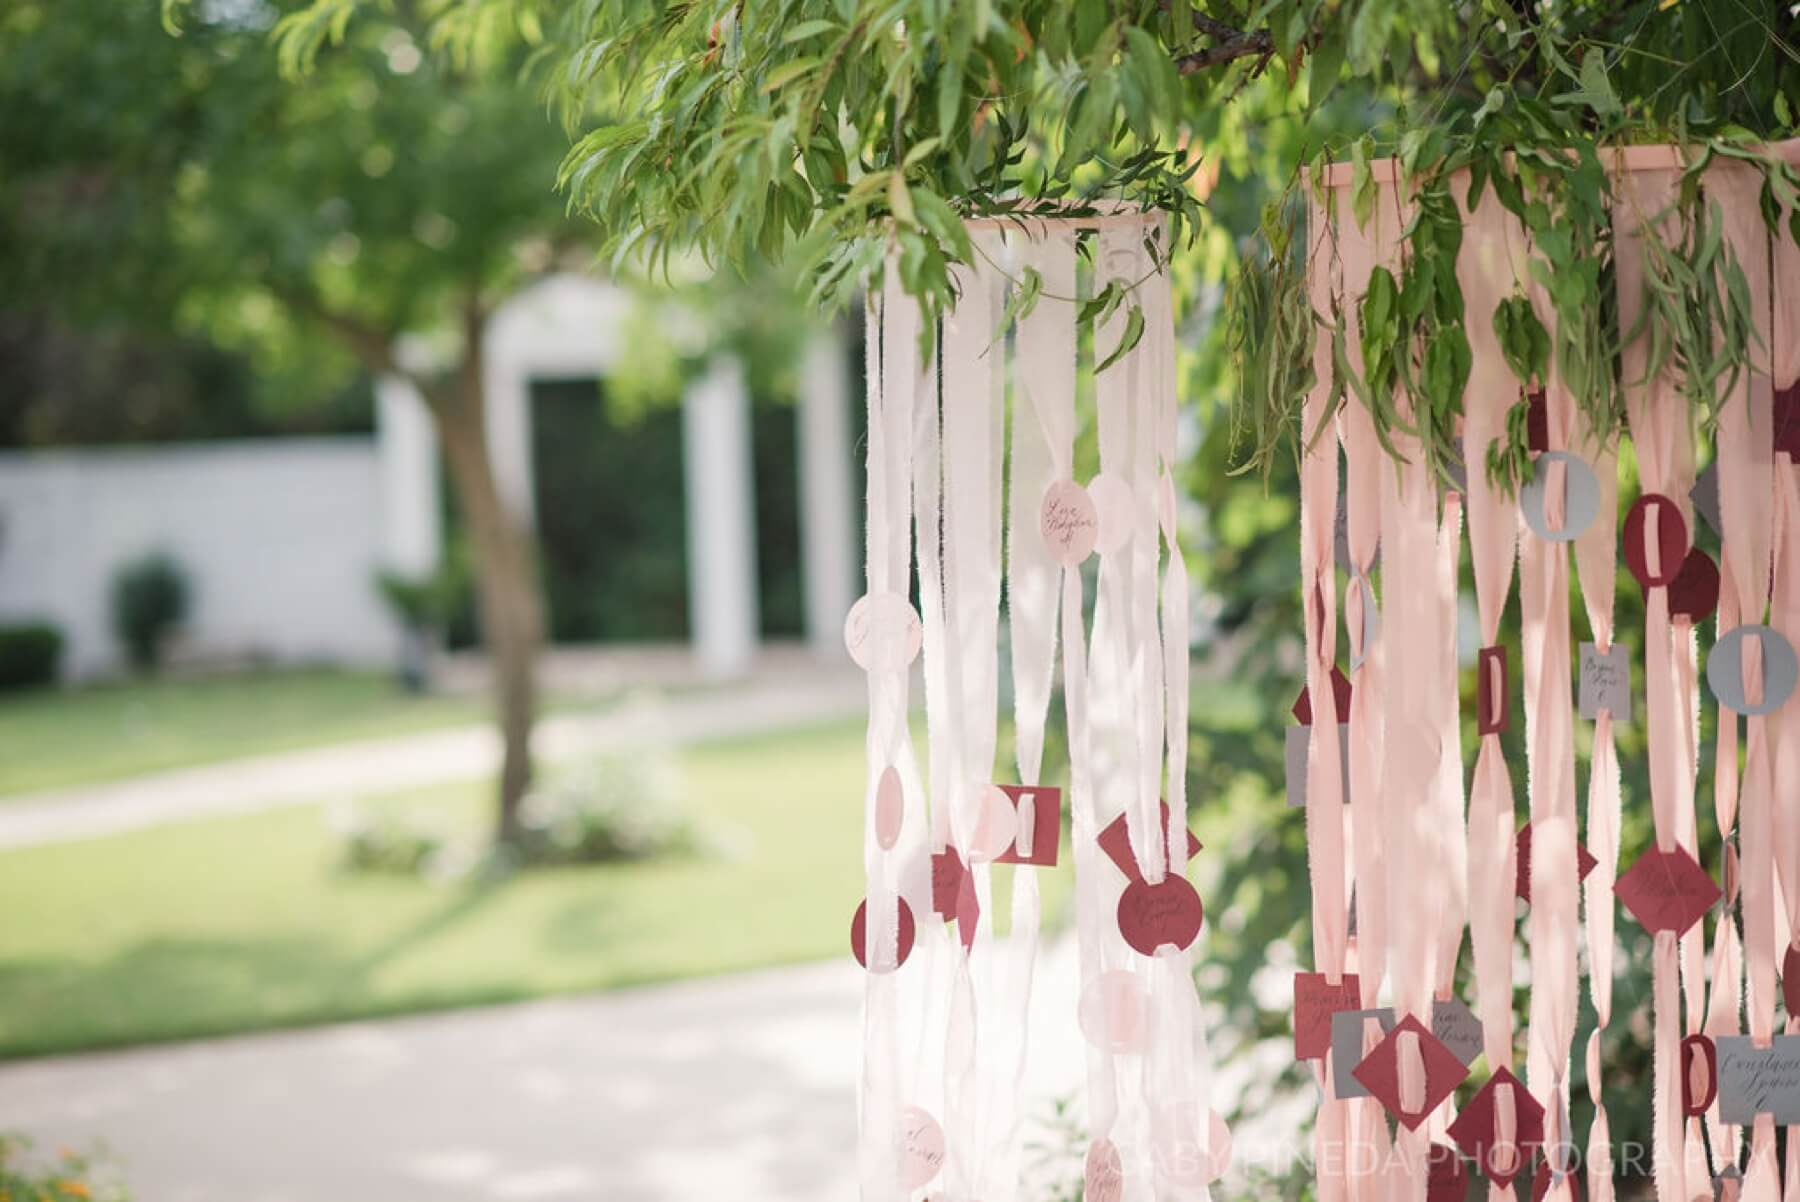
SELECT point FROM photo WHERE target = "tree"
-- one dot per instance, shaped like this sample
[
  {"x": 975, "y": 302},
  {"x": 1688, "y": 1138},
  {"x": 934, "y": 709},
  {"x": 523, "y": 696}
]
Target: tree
[{"x": 180, "y": 181}]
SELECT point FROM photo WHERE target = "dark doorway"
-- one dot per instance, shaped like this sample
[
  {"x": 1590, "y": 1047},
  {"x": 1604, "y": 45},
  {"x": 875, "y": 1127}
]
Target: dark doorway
[{"x": 611, "y": 516}]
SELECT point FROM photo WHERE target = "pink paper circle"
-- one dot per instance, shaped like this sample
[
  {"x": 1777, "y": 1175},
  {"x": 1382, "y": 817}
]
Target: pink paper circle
[
  {"x": 1154, "y": 916},
  {"x": 1103, "y": 1176},
  {"x": 921, "y": 1148},
  {"x": 1182, "y": 1160},
  {"x": 996, "y": 824},
  {"x": 1068, "y": 523},
  {"x": 883, "y": 632},
  {"x": 1113, "y": 506},
  {"x": 859, "y": 946},
  {"x": 890, "y": 808},
  {"x": 1112, "y": 1013}
]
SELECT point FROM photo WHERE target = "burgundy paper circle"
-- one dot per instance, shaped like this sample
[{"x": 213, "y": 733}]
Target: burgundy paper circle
[
  {"x": 1694, "y": 593},
  {"x": 858, "y": 941},
  {"x": 1790, "y": 980},
  {"x": 890, "y": 808},
  {"x": 1655, "y": 514},
  {"x": 1699, "y": 1074},
  {"x": 1153, "y": 915},
  {"x": 1103, "y": 1176},
  {"x": 921, "y": 1148},
  {"x": 1446, "y": 1177},
  {"x": 1068, "y": 522}
]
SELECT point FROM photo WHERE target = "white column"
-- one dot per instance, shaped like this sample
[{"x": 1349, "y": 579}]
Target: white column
[
  {"x": 721, "y": 519},
  {"x": 828, "y": 509},
  {"x": 406, "y": 444}
]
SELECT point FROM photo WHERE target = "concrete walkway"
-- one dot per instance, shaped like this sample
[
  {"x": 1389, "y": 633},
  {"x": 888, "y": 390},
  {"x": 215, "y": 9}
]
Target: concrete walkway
[
  {"x": 739, "y": 1088},
  {"x": 412, "y": 761}
]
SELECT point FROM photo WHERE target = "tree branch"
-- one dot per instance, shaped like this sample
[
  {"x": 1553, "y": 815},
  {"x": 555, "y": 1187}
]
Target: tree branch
[
  {"x": 1231, "y": 44},
  {"x": 1239, "y": 45},
  {"x": 373, "y": 347}
]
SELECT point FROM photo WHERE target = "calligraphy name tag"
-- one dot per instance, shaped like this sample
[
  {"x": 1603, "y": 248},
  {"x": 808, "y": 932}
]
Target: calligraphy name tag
[
  {"x": 1298, "y": 738},
  {"x": 1315, "y": 1001},
  {"x": 1455, "y": 1026},
  {"x": 1755, "y": 1080},
  {"x": 1039, "y": 825},
  {"x": 1605, "y": 682}
]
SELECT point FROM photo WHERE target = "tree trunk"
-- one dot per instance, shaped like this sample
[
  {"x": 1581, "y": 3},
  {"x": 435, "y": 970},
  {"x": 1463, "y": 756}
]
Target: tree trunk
[{"x": 511, "y": 598}]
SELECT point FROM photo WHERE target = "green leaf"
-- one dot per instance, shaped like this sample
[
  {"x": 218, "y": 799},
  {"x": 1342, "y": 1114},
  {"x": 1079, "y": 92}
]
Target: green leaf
[
  {"x": 788, "y": 72},
  {"x": 809, "y": 29},
  {"x": 1134, "y": 331}
]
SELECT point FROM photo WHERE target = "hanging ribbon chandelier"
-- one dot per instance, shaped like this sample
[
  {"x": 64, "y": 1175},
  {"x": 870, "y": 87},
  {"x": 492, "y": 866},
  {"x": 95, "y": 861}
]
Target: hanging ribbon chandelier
[
  {"x": 1399, "y": 866},
  {"x": 974, "y": 496}
]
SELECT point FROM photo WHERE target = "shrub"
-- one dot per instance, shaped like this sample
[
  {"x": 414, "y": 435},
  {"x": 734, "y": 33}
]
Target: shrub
[
  {"x": 149, "y": 599},
  {"x": 392, "y": 842},
  {"x": 29, "y": 654},
  {"x": 612, "y": 808},
  {"x": 69, "y": 1177}
]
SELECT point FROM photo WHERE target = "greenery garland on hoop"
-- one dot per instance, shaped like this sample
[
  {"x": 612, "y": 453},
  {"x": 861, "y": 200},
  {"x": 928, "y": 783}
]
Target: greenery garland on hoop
[{"x": 1412, "y": 329}]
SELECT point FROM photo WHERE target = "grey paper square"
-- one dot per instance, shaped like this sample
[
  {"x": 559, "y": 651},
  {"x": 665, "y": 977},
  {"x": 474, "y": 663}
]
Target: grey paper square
[
  {"x": 1346, "y": 1047},
  {"x": 1340, "y": 539},
  {"x": 1457, "y": 468},
  {"x": 1605, "y": 682},
  {"x": 1457, "y": 1028},
  {"x": 1753, "y": 1080},
  {"x": 1297, "y": 739},
  {"x": 1705, "y": 496}
]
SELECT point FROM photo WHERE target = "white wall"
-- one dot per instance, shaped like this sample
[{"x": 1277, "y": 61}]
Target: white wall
[{"x": 280, "y": 540}]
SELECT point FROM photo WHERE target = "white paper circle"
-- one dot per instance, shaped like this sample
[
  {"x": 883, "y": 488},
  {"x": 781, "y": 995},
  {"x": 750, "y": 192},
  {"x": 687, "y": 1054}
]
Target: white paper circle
[
  {"x": 1113, "y": 1013},
  {"x": 1581, "y": 498},
  {"x": 1190, "y": 1153},
  {"x": 890, "y": 808},
  {"x": 1114, "y": 506},
  {"x": 994, "y": 824},
  {"x": 1068, "y": 523},
  {"x": 1725, "y": 669},
  {"x": 883, "y": 632},
  {"x": 921, "y": 1148}
]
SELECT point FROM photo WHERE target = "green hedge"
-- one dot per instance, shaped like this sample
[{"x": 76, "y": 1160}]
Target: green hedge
[{"x": 29, "y": 654}]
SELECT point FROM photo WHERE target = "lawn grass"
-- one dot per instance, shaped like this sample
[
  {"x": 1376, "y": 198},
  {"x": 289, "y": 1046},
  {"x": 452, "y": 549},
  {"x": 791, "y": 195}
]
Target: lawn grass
[
  {"x": 56, "y": 739},
  {"x": 244, "y": 923}
]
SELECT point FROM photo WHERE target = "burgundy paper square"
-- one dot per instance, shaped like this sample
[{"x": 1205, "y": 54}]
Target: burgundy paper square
[
  {"x": 1380, "y": 1072},
  {"x": 1340, "y": 689},
  {"x": 1474, "y": 1132},
  {"x": 1667, "y": 891},
  {"x": 947, "y": 873},
  {"x": 1315, "y": 1001},
  {"x": 1115, "y": 841},
  {"x": 1786, "y": 426},
  {"x": 1537, "y": 421},
  {"x": 1584, "y": 863}
]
